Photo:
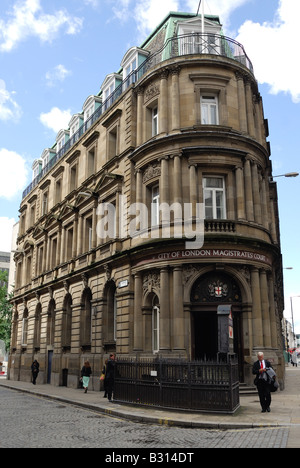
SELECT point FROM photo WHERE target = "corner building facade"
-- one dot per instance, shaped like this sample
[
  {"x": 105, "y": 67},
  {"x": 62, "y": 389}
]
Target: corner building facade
[{"x": 181, "y": 125}]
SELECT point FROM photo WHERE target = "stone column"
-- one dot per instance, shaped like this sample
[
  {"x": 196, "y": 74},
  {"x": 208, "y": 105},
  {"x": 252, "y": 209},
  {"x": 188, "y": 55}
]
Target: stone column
[
  {"x": 175, "y": 99},
  {"x": 273, "y": 321},
  {"x": 164, "y": 325},
  {"x": 193, "y": 188},
  {"x": 242, "y": 103},
  {"x": 75, "y": 235},
  {"x": 163, "y": 108},
  {"x": 140, "y": 115},
  {"x": 256, "y": 194},
  {"x": 63, "y": 241},
  {"x": 257, "y": 328},
  {"x": 79, "y": 235},
  {"x": 138, "y": 317},
  {"x": 178, "y": 316},
  {"x": 248, "y": 191},
  {"x": 265, "y": 211},
  {"x": 249, "y": 107},
  {"x": 94, "y": 223},
  {"x": 58, "y": 251},
  {"x": 139, "y": 186},
  {"x": 265, "y": 309},
  {"x": 231, "y": 197},
  {"x": 259, "y": 119},
  {"x": 240, "y": 194}
]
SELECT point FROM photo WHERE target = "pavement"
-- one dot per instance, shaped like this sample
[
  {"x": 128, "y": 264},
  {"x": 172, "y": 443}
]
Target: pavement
[{"x": 285, "y": 408}]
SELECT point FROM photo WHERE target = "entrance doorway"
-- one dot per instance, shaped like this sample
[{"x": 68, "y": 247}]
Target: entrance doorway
[
  {"x": 208, "y": 292},
  {"x": 205, "y": 335},
  {"x": 50, "y": 356}
]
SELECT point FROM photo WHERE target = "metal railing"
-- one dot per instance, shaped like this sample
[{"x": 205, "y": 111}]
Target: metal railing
[
  {"x": 187, "y": 44},
  {"x": 204, "y": 386}
]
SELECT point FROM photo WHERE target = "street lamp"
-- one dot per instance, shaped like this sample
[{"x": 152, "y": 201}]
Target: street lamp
[{"x": 288, "y": 174}]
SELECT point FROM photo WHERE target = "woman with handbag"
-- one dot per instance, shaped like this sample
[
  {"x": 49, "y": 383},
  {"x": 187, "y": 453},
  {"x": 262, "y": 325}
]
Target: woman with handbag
[{"x": 86, "y": 372}]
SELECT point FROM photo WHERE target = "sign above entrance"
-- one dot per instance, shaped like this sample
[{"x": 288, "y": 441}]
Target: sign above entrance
[{"x": 211, "y": 253}]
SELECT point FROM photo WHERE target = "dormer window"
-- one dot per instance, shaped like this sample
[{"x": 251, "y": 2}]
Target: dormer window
[
  {"x": 195, "y": 41},
  {"x": 90, "y": 106},
  {"x": 108, "y": 87},
  {"x": 75, "y": 124},
  {"x": 36, "y": 168},
  {"x": 61, "y": 139},
  {"x": 47, "y": 156},
  {"x": 131, "y": 62}
]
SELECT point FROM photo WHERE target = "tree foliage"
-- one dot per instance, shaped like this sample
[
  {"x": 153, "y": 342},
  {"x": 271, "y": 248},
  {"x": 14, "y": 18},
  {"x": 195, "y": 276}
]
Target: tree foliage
[{"x": 5, "y": 310}]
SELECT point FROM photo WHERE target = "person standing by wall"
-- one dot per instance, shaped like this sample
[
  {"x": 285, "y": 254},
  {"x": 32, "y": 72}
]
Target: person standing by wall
[
  {"x": 110, "y": 376},
  {"x": 86, "y": 372},
  {"x": 35, "y": 369}
]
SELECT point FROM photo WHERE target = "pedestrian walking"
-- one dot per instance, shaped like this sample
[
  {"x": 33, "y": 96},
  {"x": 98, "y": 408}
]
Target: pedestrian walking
[
  {"x": 35, "y": 369},
  {"x": 86, "y": 372},
  {"x": 262, "y": 381},
  {"x": 110, "y": 376},
  {"x": 294, "y": 359}
]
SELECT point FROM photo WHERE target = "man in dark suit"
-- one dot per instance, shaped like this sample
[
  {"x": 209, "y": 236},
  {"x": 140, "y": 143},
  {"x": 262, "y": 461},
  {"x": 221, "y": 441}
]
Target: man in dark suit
[{"x": 262, "y": 383}]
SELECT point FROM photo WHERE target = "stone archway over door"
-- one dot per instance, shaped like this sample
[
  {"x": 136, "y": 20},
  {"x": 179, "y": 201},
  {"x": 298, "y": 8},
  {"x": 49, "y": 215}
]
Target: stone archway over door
[{"x": 208, "y": 292}]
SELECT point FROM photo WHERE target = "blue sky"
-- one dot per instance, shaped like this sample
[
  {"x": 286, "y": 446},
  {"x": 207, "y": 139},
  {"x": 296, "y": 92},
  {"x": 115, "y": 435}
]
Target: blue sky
[{"x": 53, "y": 55}]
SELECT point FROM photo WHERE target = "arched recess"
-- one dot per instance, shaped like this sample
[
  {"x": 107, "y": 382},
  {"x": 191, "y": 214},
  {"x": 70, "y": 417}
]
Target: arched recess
[
  {"x": 151, "y": 314},
  {"x": 51, "y": 323},
  {"x": 86, "y": 319},
  {"x": 109, "y": 317},
  {"x": 67, "y": 322},
  {"x": 37, "y": 326}
]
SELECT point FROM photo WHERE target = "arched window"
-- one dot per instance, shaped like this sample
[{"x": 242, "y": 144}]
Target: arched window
[
  {"x": 155, "y": 325},
  {"x": 51, "y": 322},
  {"x": 37, "y": 326},
  {"x": 86, "y": 319},
  {"x": 25, "y": 327},
  {"x": 67, "y": 322},
  {"x": 110, "y": 317}
]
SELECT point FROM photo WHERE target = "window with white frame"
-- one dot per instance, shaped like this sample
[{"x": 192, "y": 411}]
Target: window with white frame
[
  {"x": 155, "y": 329},
  {"x": 25, "y": 327},
  {"x": 155, "y": 206},
  {"x": 214, "y": 197},
  {"x": 128, "y": 70},
  {"x": 209, "y": 110},
  {"x": 154, "y": 121}
]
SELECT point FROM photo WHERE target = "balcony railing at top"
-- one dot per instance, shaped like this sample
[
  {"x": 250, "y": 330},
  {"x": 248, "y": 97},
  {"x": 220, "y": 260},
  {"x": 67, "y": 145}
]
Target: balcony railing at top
[{"x": 187, "y": 44}]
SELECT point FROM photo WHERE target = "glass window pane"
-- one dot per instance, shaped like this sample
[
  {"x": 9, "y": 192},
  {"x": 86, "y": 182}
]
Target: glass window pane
[
  {"x": 204, "y": 114},
  {"x": 213, "y": 115},
  {"x": 214, "y": 182}
]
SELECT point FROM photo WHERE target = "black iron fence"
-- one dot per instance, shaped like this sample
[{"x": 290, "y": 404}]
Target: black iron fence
[{"x": 210, "y": 386}]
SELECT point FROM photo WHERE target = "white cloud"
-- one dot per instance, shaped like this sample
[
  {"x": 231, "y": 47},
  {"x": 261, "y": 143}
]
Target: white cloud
[
  {"x": 56, "y": 119},
  {"x": 6, "y": 230},
  {"x": 58, "y": 74},
  {"x": 93, "y": 3},
  {"x": 222, "y": 8},
  {"x": 273, "y": 49},
  {"x": 9, "y": 109},
  {"x": 149, "y": 13},
  {"x": 14, "y": 173},
  {"x": 28, "y": 19}
]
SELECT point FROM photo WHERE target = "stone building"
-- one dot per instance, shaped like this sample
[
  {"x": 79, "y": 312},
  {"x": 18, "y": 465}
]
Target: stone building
[{"x": 174, "y": 146}]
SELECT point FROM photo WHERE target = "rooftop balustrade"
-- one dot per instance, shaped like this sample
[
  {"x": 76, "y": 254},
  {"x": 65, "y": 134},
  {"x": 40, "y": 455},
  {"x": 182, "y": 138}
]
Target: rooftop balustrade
[{"x": 179, "y": 46}]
